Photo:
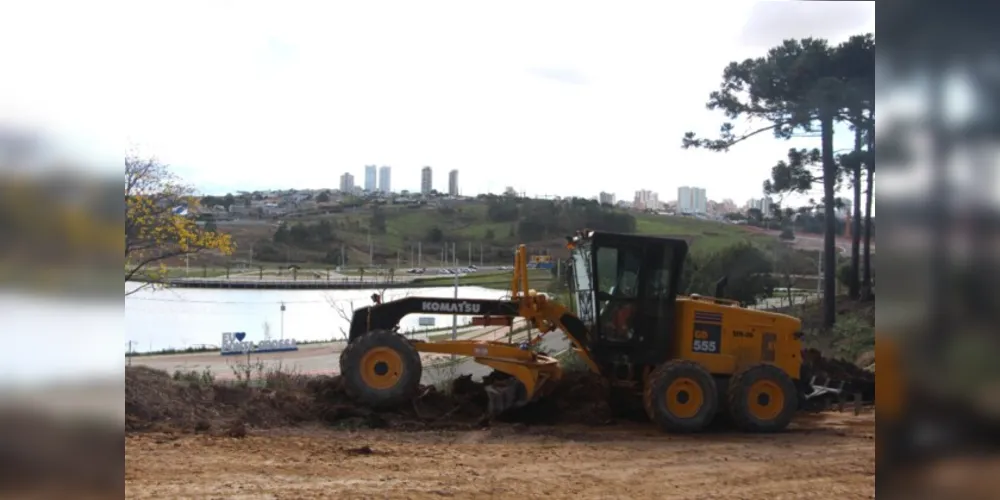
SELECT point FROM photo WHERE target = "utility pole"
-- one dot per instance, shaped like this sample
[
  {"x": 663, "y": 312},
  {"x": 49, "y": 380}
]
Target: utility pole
[
  {"x": 454, "y": 317},
  {"x": 480, "y": 255},
  {"x": 343, "y": 257},
  {"x": 420, "y": 254},
  {"x": 130, "y": 352},
  {"x": 470, "y": 254},
  {"x": 397, "y": 259}
]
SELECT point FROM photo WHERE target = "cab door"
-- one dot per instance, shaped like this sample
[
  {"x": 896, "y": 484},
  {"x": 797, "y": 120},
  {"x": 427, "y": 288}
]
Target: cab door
[
  {"x": 619, "y": 270},
  {"x": 657, "y": 311}
]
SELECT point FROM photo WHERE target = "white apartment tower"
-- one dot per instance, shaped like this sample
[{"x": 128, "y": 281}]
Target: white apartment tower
[
  {"x": 453, "y": 183},
  {"x": 646, "y": 200},
  {"x": 370, "y": 177},
  {"x": 385, "y": 180},
  {"x": 426, "y": 181},
  {"x": 762, "y": 204},
  {"x": 606, "y": 198},
  {"x": 692, "y": 200},
  {"x": 346, "y": 183}
]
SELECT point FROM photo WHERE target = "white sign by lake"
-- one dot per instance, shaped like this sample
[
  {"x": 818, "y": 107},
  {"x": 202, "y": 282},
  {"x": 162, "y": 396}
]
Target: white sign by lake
[{"x": 235, "y": 343}]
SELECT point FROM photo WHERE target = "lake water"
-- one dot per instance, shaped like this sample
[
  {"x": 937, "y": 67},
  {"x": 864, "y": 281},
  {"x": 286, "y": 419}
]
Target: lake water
[{"x": 158, "y": 319}]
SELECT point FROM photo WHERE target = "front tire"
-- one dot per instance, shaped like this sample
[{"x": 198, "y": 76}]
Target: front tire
[
  {"x": 681, "y": 396},
  {"x": 381, "y": 369}
]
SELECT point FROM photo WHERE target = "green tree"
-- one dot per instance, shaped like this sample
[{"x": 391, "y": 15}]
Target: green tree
[
  {"x": 435, "y": 235},
  {"x": 323, "y": 231},
  {"x": 748, "y": 269},
  {"x": 868, "y": 275},
  {"x": 502, "y": 210},
  {"x": 210, "y": 226},
  {"x": 530, "y": 230},
  {"x": 281, "y": 235},
  {"x": 228, "y": 201},
  {"x": 323, "y": 197},
  {"x": 490, "y": 235},
  {"x": 299, "y": 233},
  {"x": 334, "y": 256},
  {"x": 378, "y": 220},
  {"x": 796, "y": 86},
  {"x": 855, "y": 59}
]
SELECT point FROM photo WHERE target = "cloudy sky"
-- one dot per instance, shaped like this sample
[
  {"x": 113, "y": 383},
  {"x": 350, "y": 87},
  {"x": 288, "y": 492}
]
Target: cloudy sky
[{"x": 555, "y": 97}]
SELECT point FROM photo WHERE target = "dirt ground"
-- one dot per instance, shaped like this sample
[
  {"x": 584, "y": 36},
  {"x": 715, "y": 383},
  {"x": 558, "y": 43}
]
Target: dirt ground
[
  {"x": 828, "y": 455},
  {"x": 305, "y": 437}
]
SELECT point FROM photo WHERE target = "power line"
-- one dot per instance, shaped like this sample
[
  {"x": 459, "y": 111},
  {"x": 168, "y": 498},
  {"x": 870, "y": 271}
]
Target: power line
[{"x": 186, "y": 301}]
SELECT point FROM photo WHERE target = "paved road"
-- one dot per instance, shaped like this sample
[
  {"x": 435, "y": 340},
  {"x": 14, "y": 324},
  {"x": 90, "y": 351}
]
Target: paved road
[{"x": 323, "y": 359}]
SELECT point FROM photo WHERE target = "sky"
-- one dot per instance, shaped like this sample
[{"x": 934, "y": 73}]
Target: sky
[{"x": 557, "y": 97}]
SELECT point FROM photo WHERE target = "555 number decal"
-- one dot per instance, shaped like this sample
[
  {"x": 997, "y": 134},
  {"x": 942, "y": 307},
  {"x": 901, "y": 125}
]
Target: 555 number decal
[
  {"x": 707, "y": 338},
  {"x": 705, "y": 346}
]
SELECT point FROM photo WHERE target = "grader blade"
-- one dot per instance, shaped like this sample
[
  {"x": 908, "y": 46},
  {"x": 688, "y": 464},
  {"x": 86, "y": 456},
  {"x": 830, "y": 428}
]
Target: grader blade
[{"x": 504, "y": 397}]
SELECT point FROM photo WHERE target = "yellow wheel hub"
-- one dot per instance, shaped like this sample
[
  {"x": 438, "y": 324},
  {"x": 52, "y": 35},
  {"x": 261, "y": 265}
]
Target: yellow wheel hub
[
  {"x": 684, "y": 398},
  {"x": 381, "y": 368},
  {"x": 766, "y": 400}
]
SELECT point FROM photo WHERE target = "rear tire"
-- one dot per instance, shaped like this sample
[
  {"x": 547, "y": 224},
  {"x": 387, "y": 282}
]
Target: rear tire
[
  {"x": 762, "y": 398},
  {"x": 381, "y": 369},
  {"x": 681, "y": 396}
]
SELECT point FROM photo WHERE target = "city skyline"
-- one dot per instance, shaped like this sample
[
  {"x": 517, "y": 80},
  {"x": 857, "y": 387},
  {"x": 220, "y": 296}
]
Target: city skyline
[{"x": 556, "y": 107}]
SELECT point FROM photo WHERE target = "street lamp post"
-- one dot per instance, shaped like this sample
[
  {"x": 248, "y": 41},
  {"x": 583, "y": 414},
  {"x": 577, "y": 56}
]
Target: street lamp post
[{"x": 282, "y": 321}]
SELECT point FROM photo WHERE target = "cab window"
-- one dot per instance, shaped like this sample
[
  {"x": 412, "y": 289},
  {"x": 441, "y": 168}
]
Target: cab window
[{"x": 618, "y": 269}]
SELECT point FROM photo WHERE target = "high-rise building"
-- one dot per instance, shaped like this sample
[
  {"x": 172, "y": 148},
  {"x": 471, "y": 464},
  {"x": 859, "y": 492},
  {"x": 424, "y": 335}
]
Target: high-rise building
[
  {"x": 692, "y": 200},
  {"x": 646, "y": 200},
  {"x": 385, "y": 179},
  {"x": 346, "y": 183},
  {"x": 606, "y": 198},
  {"x": 426, "y": 181},
  {"x": 762, "y": 204},
  {"x": 453, "y": 183},
  {"x": 370, "y": 177}
]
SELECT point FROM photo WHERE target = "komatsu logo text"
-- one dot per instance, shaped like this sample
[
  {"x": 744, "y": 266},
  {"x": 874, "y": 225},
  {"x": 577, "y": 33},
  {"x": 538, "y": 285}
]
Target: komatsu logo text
[{"x": 450, "y": 307}]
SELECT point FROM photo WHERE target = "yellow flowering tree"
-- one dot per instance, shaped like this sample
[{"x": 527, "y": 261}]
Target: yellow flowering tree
[{"x": 158, "y": 226}]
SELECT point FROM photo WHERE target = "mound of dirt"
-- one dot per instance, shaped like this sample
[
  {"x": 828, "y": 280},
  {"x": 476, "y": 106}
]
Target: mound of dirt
[{"x": 155, "y": 401}]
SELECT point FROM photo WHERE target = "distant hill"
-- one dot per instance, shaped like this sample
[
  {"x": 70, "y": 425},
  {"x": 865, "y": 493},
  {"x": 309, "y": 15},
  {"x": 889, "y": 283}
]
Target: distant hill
[{"x": 491, "y": 228}]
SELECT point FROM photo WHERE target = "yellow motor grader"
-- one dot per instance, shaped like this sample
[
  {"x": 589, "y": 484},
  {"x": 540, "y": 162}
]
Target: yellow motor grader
[{"x": 686, "y": 357}]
